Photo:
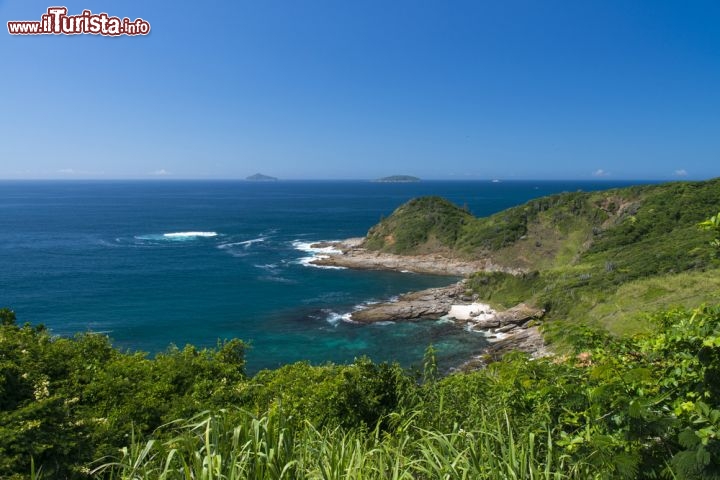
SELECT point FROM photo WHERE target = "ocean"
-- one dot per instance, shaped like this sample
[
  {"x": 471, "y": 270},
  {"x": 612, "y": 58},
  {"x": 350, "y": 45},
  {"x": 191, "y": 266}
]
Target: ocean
[{"x": 155, "y": 263}]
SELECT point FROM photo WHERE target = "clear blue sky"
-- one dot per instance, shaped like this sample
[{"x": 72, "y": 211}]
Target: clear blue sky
[{"x": 365, "y": 88}]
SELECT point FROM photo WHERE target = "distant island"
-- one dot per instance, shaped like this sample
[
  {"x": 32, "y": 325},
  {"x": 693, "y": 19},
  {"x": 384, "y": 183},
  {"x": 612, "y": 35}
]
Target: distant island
[
  {"x": 398, "y": 179},
  {"x": 259, "y": 177}
]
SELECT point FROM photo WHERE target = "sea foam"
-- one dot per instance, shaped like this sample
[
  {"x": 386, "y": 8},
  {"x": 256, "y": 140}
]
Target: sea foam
[
  {"x": 245, "y": 244},
  {"x": 315, "y": 254},
  {"x": 333, "y": 318},
  {"x": 182, "y": 235},
  {"x": 175, "y": 236}
]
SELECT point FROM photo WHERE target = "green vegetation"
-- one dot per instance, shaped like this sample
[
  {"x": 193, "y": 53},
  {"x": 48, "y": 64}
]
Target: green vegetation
[
  {"x": 557, "y": 230},
  {"x": 638, "y": 249},
  {"x": 712, "y": 224},
  {"x": 422, "y": 224},
  {"x": 641, "y": 407}
]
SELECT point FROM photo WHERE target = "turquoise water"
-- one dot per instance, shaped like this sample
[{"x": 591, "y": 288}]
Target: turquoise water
[{"x": 155, "y": 263}]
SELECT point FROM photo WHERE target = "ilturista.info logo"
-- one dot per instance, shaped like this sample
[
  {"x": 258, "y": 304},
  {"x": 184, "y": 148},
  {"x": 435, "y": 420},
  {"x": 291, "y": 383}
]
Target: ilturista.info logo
[{"x": 57, "y": 22}]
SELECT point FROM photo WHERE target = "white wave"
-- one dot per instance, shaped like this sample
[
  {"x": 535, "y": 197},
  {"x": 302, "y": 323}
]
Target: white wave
[
  {"x": 490, "y": 336},
  {"x": 245, "y": 244},
  {"x": 236, "y": 254},
  {"x": 308, "y": 247},
  {"x": 105, "y": 243},
  {"x": 316, "y": 253},
  {"x": 334, "y": 318},
  {"x": 307, "y": 262},
  {"x": 270, "y": 267},
  {"x": 179, "y": 235},
  {"x": 384, "y": 323},
  {"x": 276, "y": 279},
  {"x": 175, "y": 236}
]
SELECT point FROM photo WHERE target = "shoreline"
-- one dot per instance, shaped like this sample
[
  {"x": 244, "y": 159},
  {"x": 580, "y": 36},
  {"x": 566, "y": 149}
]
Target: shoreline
[
  {"x": 350, "y": 253},
  {"x": 514, "y": 329}
]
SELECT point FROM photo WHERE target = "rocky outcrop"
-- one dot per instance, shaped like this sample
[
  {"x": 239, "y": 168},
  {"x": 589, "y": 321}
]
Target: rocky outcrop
[
  {"x": 506, "y": 321},
  {"x": 353, "y": 255},
  {"x": 528, "y": 340},
  {"x": 510, "y": 330},
  {"x": 514, "y": 329},
  {"x": 430, "y": 303}
]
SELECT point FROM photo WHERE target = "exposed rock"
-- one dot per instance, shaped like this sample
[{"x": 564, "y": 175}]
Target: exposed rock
[
  {"x": 528, "y": 340},
  {"x": 518, "y": 314},
  {"x": 430, "y": 303},
  {"x": 486, "y": 324},
  {"x": 356, "y": 257},
  {"x": 343, "y": 245},
  {"x": 507, "y": 330}
]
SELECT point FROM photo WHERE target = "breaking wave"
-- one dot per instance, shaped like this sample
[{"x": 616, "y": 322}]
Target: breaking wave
[{"x": 314, "y": 254}]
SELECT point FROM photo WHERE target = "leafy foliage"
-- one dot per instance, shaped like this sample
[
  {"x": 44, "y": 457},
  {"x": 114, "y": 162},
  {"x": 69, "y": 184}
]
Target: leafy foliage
[
  {"x": 712, "y": 224},
  {"x": 640, "y": 407},
  {"x": 64, "y": 401}
]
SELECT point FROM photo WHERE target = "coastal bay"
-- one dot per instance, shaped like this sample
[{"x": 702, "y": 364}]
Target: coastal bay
[{"x": 515, "y": 327}]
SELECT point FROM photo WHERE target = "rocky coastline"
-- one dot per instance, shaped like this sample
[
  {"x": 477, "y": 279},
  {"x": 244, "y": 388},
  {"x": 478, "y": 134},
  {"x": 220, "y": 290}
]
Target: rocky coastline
[
  {"x": 508, "y": 330},
  {"x": 351, "y": 254}
]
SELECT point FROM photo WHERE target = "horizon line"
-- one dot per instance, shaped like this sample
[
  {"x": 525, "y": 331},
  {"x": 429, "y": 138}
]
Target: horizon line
[{"x": 372, "y": 180}]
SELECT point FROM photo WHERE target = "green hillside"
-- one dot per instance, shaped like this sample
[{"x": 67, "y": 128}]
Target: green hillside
[
  {"x": 577, "y": 248},
  {"x": 422, "y": 224}
]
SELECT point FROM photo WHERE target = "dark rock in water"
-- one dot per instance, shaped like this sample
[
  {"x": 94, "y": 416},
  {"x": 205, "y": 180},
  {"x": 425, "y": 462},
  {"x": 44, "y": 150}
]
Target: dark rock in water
[
  {"x": 324, "y": 245},
  {"x": 259, "y": 177},
  {"x": 398, "y": 179}
]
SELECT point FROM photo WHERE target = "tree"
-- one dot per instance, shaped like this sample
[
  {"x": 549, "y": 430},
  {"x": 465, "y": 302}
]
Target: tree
[{"x": 7, "y": 317}]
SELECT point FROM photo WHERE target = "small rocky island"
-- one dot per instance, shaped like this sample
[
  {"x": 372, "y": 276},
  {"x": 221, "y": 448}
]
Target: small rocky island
[
  {"x": 259, "y": 177},
  {"x": 398, "y": 179}
]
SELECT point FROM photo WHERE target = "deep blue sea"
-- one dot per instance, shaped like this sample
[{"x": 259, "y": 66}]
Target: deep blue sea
[{"x": 174, "y": 262}]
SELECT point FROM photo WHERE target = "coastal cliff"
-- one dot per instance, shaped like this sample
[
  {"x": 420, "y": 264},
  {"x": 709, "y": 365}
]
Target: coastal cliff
[{"x": 568, "y": 258}]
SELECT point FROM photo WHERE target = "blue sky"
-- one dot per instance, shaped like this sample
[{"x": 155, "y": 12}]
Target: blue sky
[{"x": 365, "y": 88}]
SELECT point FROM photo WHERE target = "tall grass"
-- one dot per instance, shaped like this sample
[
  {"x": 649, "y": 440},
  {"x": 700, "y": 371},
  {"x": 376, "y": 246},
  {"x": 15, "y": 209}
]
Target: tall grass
[{"x": 235, "y": 446}]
